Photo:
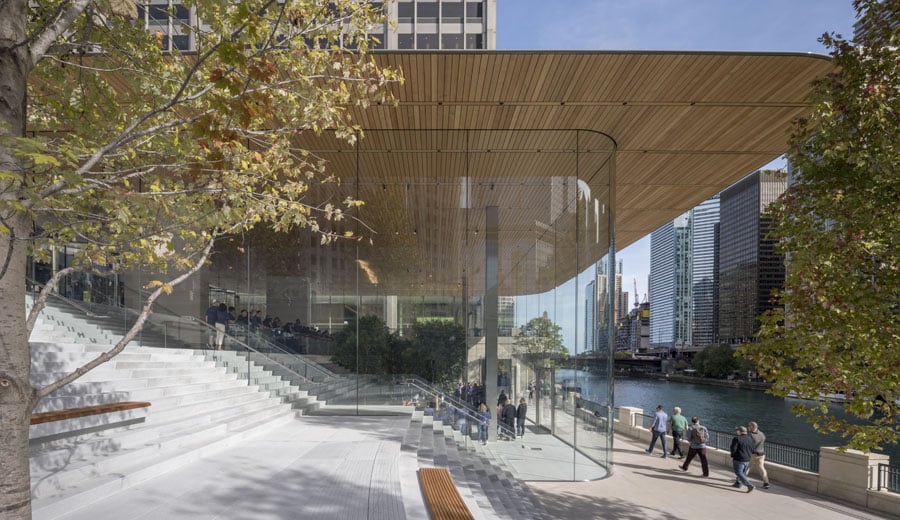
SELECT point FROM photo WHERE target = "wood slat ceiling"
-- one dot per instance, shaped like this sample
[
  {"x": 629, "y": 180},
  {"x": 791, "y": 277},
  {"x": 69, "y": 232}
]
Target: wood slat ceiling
[{"x": 683, "y": 126}]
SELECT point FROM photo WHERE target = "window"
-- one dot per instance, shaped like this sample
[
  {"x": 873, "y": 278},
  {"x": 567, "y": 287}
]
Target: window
[
  {"x": 474, "y": 41},
  {"x": 451, "y": 41},
  {"x": 427, "y": 11},
  {"x": 452, "y": 11},
  {"x": 427, "y": 41},
  {"x": 474, "y": 10},
  {"x": 405, "y": 41},
  {"x": 406, "y": 11}
]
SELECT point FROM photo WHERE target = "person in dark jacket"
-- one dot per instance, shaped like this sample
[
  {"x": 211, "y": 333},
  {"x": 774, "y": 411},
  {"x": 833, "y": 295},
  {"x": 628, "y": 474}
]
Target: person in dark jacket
[
  {"x": 741, "y": 452},
  {"x": 509, "y": 420},
  {"x": 221, "y": 323},
  {"x": 521, "y": 413}
]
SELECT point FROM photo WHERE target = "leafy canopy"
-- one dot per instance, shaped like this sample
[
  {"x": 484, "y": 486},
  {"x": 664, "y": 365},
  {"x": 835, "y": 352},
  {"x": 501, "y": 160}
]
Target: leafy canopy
[
  {"x": 134, "y": 149},
  {"x": 838, "y": 223}
]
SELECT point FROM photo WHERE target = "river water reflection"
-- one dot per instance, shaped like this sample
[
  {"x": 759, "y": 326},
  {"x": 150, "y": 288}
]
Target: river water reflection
[{"x": 719, "y": 408}]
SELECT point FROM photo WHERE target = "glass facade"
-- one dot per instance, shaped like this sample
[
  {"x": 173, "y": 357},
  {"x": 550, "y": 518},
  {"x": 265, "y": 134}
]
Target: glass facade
[
  {"x": 469, "y": 271},
  {"x": 749, "y": 269},
  {"x": 704, "y": 278},
  {"x": 670, "y": 284}
]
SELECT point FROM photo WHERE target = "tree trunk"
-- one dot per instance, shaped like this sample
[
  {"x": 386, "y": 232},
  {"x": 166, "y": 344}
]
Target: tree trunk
[{"x": 16, "y": 394}]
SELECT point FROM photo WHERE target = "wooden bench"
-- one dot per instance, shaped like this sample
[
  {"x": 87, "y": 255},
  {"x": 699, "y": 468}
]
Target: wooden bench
[
  {"x": 84, "y": 411},
  {"x": 441, "y": 496}
]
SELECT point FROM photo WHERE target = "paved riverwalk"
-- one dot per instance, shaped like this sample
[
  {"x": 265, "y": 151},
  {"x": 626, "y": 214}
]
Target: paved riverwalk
[
  {"x": 353, "y": 468},
  {"x": 649, "y": 487}
]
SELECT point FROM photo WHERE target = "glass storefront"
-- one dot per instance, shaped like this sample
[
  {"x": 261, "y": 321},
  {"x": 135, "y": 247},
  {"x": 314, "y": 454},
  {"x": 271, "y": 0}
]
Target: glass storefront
[{"x": 479, "y": 269}]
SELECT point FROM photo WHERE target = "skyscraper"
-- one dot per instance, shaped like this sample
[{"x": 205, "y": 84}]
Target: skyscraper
[
  {"x": 749, "y": 268},
  {"x": 670, "y": 284},
  {"x": 409, "y": 24},
  {"x": 705, "y": 271},
  {"x": 439, "y": 24}
]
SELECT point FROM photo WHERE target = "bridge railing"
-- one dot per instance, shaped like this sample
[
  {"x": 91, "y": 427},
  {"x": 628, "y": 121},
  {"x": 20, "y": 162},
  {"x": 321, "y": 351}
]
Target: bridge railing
[
  {"x": 791, "y": 456},
  {"x": 889, "y": 478}
]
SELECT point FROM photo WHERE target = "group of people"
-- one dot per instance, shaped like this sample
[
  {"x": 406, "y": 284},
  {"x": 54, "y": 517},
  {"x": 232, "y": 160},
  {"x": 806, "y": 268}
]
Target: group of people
[
  {"x": 510, "y": 418},
  {"x": 472, "y": 393},
  {"x": 748, "y": 446},
  {"x": 222, "y": 318}
]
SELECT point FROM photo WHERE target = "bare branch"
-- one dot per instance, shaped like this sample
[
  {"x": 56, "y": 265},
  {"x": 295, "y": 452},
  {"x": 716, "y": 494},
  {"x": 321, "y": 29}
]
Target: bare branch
[
  {"x": 132, "y": 332},
  {"x": 53, "y": 30}
]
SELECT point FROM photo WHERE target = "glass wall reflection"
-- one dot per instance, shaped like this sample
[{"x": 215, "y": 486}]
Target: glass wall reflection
[{"x": 479, "y": 271}]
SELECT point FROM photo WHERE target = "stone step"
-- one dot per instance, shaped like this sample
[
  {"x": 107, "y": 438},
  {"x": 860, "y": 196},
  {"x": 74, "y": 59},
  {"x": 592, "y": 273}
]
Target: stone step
[{"x": 95, "y": 486}]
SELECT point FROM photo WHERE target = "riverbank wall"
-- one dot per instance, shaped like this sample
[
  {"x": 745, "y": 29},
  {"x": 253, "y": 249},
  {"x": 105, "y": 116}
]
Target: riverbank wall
[
  {"x": 681, "y": 378},
  {"x": 850, "y": 475}
]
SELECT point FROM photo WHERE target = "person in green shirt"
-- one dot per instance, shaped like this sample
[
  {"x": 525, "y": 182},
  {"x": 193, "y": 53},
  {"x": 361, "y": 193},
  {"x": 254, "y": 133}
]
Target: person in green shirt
[{"x": 677, "y": 423}]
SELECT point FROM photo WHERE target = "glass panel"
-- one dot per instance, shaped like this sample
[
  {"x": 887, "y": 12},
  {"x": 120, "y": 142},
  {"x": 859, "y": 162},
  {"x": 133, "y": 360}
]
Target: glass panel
[
  {"x": 451, "y": 41},
  {"x": 475, "y": 276},
  {"x": 427, "y": 41}
]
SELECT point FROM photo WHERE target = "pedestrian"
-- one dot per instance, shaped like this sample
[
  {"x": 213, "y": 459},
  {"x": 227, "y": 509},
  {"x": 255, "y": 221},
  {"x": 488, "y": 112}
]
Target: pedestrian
[
  {"x": 658, "y": 429},
  {"x": 221, "y": 323},
  {"x": 698, "y": 436},
  {"x": 521, "y": 413},
  {"x": 678, "y": 423},
  {"x": 502, "y": 399},
  {"x": 758, "y": 457},
  {"x": 531, "y": 390},
  {"x": 509, "y": 420},
  {"x": 484, "y": 420},
  {"x": 741, "y": 452},
  {"x": 211, "y": 312}
]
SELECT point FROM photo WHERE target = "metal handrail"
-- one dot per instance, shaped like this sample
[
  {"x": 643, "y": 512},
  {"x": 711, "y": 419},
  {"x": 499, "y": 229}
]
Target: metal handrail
[
  {"x": 888, "y": 478},
  {"x": 425, "y": 387}
]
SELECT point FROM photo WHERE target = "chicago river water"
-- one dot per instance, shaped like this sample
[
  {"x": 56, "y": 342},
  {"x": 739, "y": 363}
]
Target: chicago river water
[{"x": 719, "y": 408}]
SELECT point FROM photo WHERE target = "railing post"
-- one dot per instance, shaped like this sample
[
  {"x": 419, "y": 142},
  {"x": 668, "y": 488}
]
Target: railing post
[{"x": 848, "y": 475}]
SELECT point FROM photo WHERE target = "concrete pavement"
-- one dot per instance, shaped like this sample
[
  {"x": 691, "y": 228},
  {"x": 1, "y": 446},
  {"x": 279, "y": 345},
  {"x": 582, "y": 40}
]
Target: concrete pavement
[{"x": 352, "y": 468}]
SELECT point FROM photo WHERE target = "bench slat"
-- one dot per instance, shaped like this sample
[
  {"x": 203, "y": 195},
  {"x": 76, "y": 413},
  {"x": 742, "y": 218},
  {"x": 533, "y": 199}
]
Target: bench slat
[
  {"x": 84, "y": 411},
  {"x": 441, "y": 496}
]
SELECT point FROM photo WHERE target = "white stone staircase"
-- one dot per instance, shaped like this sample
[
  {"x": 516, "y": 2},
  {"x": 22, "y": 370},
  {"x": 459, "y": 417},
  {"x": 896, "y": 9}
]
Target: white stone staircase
[{"x": 489, "y": 491}]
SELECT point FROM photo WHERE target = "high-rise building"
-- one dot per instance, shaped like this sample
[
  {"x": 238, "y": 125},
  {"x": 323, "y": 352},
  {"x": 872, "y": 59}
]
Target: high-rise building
[
  {"x": 670, "y": 284},
  {"x": 409, "y": 24},
  {"x": 749, "y": 268},
  {"x": 590, "y": 316},
  {"x": 621, "y": 296},
  {"x": 439, "y": 24},
  {"x": 705, "y": 273}
]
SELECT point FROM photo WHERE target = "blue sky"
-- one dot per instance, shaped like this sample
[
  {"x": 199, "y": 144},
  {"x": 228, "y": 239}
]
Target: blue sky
[{"x": 726, "y": 25}]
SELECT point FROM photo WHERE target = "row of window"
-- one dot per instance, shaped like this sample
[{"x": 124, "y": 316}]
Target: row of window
[
  {"x": 434, "y": 10},
  {"x": 442, "y": 41}
]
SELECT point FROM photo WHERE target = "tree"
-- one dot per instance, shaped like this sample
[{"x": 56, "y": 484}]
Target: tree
[
  {"x": 718, "y": 361},
  {"x": 838, "y": 225},
  {"x": 145, "y": 156},
  {"x": 540, "y": 344},
  {"x": 438, "y": 350},
  {"x": 364, "y": 347}
]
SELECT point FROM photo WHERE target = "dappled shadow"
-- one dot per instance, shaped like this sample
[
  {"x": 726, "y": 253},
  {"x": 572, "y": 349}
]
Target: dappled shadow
[{"x": 573, "y": 504}]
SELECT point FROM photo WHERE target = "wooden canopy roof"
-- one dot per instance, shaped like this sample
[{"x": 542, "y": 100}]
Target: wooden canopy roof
[{"x": 681, "y": 127}]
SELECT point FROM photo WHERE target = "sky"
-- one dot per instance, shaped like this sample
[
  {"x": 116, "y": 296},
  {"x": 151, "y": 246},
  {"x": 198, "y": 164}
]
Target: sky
[{"x": 690, "y": 25}]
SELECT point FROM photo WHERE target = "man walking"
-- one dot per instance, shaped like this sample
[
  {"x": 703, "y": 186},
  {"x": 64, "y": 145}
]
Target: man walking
[
  {"x": 698, "y": 436},
  {"x": 678, "y": 423},
  {"x": 658, "y": 429},
  {"x": 758, "y": 457},
  {"x": 741, "y": 451}
]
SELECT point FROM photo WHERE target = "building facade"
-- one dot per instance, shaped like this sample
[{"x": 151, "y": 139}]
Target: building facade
[
  {"x": 670, "y": 284},
  {"x": 749, "y": 268},
  {"x": 409, "y": 24},
  {"x": 705, "y": 273}
]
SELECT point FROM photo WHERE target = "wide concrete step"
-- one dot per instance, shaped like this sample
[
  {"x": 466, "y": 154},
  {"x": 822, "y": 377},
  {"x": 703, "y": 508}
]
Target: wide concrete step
[{"x": 59, "y": 496}]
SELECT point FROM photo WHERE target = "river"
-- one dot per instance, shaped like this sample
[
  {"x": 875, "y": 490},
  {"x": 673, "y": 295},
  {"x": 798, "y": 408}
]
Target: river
[{"x": 719, "y": 408}]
